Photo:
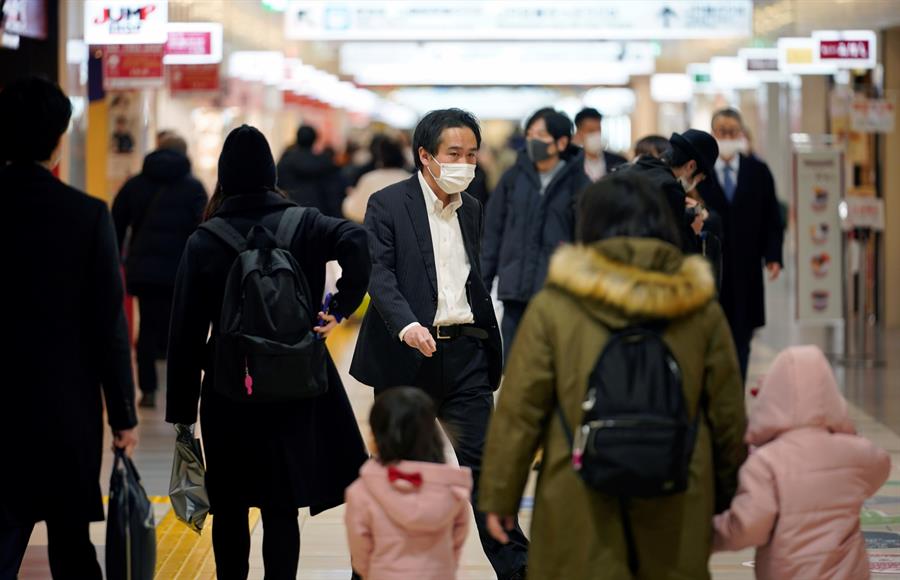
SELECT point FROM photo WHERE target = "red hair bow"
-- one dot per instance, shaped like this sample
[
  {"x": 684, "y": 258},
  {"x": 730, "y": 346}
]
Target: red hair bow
[{"x": 395, "y": 474}]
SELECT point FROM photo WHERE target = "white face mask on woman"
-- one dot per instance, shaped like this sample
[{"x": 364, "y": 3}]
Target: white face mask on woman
[
  {"x": 687, "y": 183},
  {"x": 455, "y": 177}
]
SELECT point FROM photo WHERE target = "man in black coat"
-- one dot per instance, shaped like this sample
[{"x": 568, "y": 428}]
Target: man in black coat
[
  {"x": 161, "y": 207},
  {"x": 589, "y": 136},
  {"x": 311, "y": 179},
  {"x": 67, "y": 345},
  {"x": 530, "y": 213},
  {"x": 688, "y": 161},
  {"x": 431, "y": 323},
  {"x": 743, "y": 193}
]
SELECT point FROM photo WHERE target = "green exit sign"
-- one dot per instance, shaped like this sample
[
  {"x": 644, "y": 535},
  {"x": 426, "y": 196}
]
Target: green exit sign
[{"x": 701, "y": 78}]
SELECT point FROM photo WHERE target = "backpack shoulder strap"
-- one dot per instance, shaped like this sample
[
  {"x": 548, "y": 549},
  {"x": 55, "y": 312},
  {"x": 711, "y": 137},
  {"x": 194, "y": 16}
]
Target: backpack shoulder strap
[
  {"x": 287, "y": 226},
  {"x": 225, "y": 231}
]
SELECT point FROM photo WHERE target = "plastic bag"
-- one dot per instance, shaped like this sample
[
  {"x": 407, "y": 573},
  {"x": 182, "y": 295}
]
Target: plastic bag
[
  {"x": 130, "y": 530},
  {"x": 187, "y": 489}
]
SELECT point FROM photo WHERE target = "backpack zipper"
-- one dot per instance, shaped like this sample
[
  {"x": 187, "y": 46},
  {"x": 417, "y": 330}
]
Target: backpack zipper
[{"x": 248, "y": 380}]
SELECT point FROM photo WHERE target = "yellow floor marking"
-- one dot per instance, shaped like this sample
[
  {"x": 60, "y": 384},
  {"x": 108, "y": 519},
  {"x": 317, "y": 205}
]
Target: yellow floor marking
[{"x": 182, "y": 554}]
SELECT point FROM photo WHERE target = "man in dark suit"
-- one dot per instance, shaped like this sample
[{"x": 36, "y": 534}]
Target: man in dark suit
[
  {"x": 743, "y": 193},
  {"x": 588, "y": 135},
  {"x": 432, "y": 322},
  {"x": 67, "y": 350}
]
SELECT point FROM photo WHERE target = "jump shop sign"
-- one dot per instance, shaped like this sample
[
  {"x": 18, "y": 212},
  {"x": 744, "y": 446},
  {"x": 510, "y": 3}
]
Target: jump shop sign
[{"x": 125, "y": 21}]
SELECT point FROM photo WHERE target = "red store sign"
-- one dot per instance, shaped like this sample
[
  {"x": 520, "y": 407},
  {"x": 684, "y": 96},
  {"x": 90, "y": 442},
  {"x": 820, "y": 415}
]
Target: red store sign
[
  {"x": 133, "y": 66},
  {"x": 193, "y": 78},
  {"x": 844, "y": 49}
]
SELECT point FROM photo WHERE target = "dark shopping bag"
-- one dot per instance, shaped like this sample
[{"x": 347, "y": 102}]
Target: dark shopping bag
[
  {"x": 130, "y": 531},
  {"x": 187, "y": 488}
]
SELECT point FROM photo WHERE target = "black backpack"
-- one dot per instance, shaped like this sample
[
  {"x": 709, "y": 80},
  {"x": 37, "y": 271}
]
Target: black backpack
[
  {"x": 265, "y": 348},
  {"x": 635, "y": 438}
]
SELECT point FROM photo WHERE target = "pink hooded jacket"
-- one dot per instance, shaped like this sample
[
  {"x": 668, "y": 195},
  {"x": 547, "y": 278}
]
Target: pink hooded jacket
[
  {"x": 398, "y": 530},
  {"x": 801, "y": 491}
]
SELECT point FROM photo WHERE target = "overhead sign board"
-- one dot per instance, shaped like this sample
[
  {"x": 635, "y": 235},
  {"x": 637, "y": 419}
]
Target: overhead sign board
[
  {"x": 194, "y": 43},
  {"x": 498, "y": 63},
  {"x": 125, "y": 21},
  {"x": 502, "y": 20},
  {"x": 801, "y": 56},
  {"x": 132, "y": 66}
]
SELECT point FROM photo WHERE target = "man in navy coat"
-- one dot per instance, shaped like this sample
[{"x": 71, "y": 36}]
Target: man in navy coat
[{"x": 743, "y": 193}]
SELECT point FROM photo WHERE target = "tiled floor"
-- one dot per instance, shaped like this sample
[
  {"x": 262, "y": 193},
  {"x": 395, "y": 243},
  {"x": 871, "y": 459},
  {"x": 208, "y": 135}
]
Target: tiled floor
[{"x": 874, "y": 392}]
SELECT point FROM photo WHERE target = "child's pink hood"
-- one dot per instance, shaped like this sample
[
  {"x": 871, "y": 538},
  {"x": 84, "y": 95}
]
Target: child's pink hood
[
  {"x": 429, "y": 507},
  {"x": 799, "y": 391}
]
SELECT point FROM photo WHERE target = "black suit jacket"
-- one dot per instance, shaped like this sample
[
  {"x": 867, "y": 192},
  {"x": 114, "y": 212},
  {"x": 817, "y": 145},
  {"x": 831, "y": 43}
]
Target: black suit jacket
[
  {"x": 753, "y": 235},
  {"x": 403, "y": 285}
]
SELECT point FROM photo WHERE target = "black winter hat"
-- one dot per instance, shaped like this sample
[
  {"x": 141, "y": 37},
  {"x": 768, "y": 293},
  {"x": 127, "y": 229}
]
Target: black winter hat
[
  {"x": 246, "y": 163},
  {"x": 700, "y": 146}
]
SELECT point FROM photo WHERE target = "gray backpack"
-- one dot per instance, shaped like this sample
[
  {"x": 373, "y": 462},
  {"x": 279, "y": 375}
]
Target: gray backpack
[{"x": 265, "y": 349}]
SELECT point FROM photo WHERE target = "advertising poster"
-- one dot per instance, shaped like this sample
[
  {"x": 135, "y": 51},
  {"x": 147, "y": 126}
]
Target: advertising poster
[{"x": 818, "y": 192}]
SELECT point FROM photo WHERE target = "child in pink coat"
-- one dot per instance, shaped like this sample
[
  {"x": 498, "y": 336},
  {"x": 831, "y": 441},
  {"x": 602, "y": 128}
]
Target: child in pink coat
[
  {"x": 801, "y": 491},
  {"x": 408, "y": 513}
]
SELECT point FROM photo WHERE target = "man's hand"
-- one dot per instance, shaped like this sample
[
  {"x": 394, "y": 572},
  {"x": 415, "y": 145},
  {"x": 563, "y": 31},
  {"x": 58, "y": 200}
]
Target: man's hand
[
  {"x": 125, "y": 439},
  {"x": 419, "y": 338},
  {"x": 774, "y": 269},
  {"x": 330, "y": 324},
  {"x": 498, "y": 526}
]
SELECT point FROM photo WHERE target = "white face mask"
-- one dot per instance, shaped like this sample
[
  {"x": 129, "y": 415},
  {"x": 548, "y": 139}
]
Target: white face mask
[
  {"x": 687, "y": 184},
  {"x": 455, "y": 177},
  {"x": 593, "y": 142},
  {"x": 728, "y": 148}
]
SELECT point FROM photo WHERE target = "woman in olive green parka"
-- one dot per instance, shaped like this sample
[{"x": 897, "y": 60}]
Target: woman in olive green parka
[{"x": 627, "y": 269}]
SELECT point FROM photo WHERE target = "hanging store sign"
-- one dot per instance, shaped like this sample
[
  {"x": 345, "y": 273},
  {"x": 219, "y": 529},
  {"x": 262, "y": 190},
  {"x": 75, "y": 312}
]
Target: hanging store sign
[
  {"x": 193, "y": 78},
  {"x": 194, "y": 43},
  {"x": 125, "y": 21},
  {"x": 24, "y": 18},
  {"x": 873, "y": 115},
  {"x": 862, "y": 212},
  {"x": 851, "y": 49},
  {"x": 533, "y": 20},
  {"x": 133, "y": 66},
  {"x": 800, "y": 56},
  {"x": 818, "y": 192}
]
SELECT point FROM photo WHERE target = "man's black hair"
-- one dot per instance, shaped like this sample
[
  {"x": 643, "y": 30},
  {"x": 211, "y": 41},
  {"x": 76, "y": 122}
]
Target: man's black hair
[
  {"x": 587, "y": 113},
  {"x": 624, "y": 204},
  {"x": 34, "y": 115},
  {"x": 390, "y": 155},
  {"x": 306, "y": 137},
  {"x": 728, "y": 113},
  {"x": 431, "y": 127},
  {"x": 558, "y": 124}
]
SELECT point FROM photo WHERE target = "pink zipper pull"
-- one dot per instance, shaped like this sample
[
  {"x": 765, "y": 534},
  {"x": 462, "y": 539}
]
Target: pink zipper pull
[{"x": 248, "y": 380}]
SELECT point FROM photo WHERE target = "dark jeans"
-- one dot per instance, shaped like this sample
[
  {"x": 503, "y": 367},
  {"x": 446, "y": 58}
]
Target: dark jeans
[
  {"x": 456, "y": 376},
  {"x": 231, "y": 544},
  {"x": 69, "y": 550},
  {"x": 513, "y": 310},
  {"x": 153, "y": 336}
]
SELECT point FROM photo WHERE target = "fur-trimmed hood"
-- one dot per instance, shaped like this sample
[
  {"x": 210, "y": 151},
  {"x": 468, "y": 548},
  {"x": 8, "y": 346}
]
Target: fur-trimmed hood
[{"x": 624, "y": 279}]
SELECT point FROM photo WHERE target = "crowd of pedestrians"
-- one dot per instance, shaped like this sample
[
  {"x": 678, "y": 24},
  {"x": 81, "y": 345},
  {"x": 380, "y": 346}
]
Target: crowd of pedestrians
[{"x": 620, "y": 357}]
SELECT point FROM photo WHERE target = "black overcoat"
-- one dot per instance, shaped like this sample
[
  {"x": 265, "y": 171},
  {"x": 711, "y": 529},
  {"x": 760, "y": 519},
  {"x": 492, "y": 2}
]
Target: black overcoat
[
  {"x": 753, "y": 236},
  {"x": 66, "y": 348},
  {"x": 282, "y": 455}
]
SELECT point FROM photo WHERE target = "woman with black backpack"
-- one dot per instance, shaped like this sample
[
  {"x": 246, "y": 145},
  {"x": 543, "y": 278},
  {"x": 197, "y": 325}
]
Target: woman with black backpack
[
  {"x": 278, "y": 429},
  {"x": 624, "y": 370}
]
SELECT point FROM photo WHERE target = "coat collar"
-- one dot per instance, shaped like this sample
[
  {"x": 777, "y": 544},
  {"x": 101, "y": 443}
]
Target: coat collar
[
  {"x": 635, "y": 277},
  {"x": 26, "y": 172},
  {"x": 251, "y": 201}
]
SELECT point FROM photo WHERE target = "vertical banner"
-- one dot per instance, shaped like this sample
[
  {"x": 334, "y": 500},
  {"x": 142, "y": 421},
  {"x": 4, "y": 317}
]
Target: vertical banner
[{"x": 818, "y": 192}]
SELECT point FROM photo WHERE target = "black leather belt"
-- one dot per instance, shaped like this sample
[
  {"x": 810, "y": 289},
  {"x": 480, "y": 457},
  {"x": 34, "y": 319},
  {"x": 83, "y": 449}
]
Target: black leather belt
[{"x": 456, "y": 331}]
